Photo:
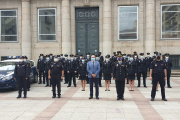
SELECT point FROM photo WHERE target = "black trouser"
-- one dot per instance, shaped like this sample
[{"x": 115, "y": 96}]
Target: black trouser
[
  {"x": 158, "y": 78},
  {"x": 50, "y": 80},
  {"x": 56, "y": 81},
  {"x": 127, "y": 81},
  {"x": 168, "y": 79},
  {"x": 47, "y": 79},
  {"x": 72, "y": 75},
  {"x": 28, "y": 83},
  {"x": 100, "y": 77},
  {"x": 120, "y": 85},
  {"x": 66, "y": 76},
  {"x": 41, "y": 73},
  {"x": 139, "y": 78},
  {"x": 96, "y": 81},
  {"x": 22, "y": 82}
]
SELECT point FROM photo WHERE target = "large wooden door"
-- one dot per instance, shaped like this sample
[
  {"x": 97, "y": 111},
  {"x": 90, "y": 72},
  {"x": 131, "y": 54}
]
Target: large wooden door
[{"x": 87, "y": 30}]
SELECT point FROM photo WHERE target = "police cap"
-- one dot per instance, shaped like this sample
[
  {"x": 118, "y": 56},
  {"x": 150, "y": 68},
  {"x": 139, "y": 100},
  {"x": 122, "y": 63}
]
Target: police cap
[
  {"x": 135, "y": 52},
  {"x": 50, "y": 54},
  {"x": 114, "y": 52},
  {"x": 118, "y": 51},
  {"x": 25, "y": 57},
  {"x": 107, "y": 56},
  {"x": 88, "y": 53},
  {"x": 81, "y": 55},
  {"x": 61, "y": 54},
  {"x": 41, "y": 55},
  {"x": 124, "y": 54},
  {"x": 99, "y": 52},
  {"x": 155, "y": 52},
  {"x": 65, "y": 55},
  {"x": 56, "y": 56},
  {"x": 128, "y": 54},
  {"x": 131, "y": 55},
  {"x": 22, "y": 57},
  {"x": 158, "y": 54},
  {"x": 71, "y": 55},
  {"x": 141, "y": 54},
  {"x": 119, "y": 55},
  {"x": 167, "y": 54},
  {"x": 47, "y": 55},
  {"x": 97, "y": 55}
]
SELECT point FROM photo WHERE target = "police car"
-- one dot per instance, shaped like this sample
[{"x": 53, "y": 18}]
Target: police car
[{"x": 7, "y": 72}]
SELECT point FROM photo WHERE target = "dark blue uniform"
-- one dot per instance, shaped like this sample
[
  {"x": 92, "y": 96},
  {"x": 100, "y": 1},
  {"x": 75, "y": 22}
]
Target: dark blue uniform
[
  {"x": 119, "y": 72},
  {"x": 41, "y": 67},
  {"x": 141, "y": 64},
  {"x": 131, "y": 70},
  {"x": 82, "y": 71},
  {"x": 158, "y": 76},
  {"x": 168, "y": 68},
  {"x": 47, "y": 66},
  {"x": 65, "y": 64},
  {"x": 21, "y": 72},
  {"x": 56, "y": 73},
  {"x": 100, "y": 73},
  {"x": 148, "y": 63},
  {"x": 107, "y": 70},
  {"x": 71, "y": 68}
]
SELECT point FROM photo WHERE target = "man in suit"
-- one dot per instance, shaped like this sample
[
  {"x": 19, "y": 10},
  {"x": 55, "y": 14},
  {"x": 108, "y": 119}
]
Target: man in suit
[{"x": 93, "y": 69}]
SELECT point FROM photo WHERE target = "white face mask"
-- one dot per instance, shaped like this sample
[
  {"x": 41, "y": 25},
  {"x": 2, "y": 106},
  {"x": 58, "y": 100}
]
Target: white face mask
[
  {"x": 55, "y": 59},
  {"x": 141, "y": 56},
  {"x": 167, "y": 58}
]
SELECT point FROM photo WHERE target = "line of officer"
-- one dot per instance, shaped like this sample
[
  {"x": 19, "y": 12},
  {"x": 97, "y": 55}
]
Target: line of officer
[
  {"x": 57, "y": 72},
  {"x": 21, "y": 74},
  {"x": 141, "y": 64},
  {"x": 29, "y": 71},
  {"x": 71, "y": 70},
  {"x": 47, "y": 66},
  {"x": 168, "y": 68},
  {"x": 119, "y": 75},
  {"x": 158, "y": 73},
  {"x": 40, "y": 68}
]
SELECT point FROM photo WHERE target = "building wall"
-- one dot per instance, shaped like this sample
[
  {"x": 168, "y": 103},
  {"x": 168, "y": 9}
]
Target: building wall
[{"x": 163, "y": 46}]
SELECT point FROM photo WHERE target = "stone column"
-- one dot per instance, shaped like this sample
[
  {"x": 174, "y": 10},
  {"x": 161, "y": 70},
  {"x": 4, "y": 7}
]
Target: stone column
[
  {"x": 150, "y": 27},
  {"x": 26, "y": 31},
  {"x": 66, "y": 32},
  {"x": 107, "y": 37}
]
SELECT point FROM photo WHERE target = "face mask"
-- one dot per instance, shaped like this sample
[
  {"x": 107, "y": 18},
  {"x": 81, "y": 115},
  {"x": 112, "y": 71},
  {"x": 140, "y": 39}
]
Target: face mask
[
  {"x": 24, "y": 60},
  {"x": 154, "y": 54},
  {"x": 97, "y": 58},
  {"x": 61, "y": 56},
  {"x": 41, "y": 57},
  {"x": 83, "y": 61},
  {"x": 128, "y": 57},
  {"x": 119, "y": 59},
  {"x": 55, "y": 59},
  {"x": 141, "y": 56},
  {"x": 87, "y": 55},
  {"x": 80, "y": 57},
  {"x": 124, "y": 56},
  {"x": 135, "y": 56},
  {"x": 51, "y": 57},
  {"x": 75, "y": 58},
  {"x": 71, "y": 58},
  {"x": 93, "y": 59},
  {"x": 66, "y": 58},
  {"x": 107, "y": 60},
  {"x": 148, "y": 55},
  {"x": 158, "y": 57},
  {"x": 167, "y": 57},
  {"x": 47, "y": 58},
  {"x": 131, "y": 59},
  {"x": 20, "y": 60}
]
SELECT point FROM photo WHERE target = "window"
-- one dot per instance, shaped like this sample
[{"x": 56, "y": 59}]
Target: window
[
  {"x": 170, "y": 21},
  {"x": 8, "y": 25},
  {"x": 128, "y": 23},
  {"x": 47, "y": 24}
]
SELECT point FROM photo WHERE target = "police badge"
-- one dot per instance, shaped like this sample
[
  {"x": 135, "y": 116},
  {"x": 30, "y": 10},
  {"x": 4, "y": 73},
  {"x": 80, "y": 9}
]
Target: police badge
[{"x": 156, "y": 65}]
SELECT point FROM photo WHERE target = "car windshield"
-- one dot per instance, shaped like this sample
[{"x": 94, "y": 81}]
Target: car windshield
[{"x": 7, "y": 65}]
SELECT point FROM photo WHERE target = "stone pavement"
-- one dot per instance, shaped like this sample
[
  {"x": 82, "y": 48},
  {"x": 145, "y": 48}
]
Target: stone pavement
[{"x": 75, "y": 105}]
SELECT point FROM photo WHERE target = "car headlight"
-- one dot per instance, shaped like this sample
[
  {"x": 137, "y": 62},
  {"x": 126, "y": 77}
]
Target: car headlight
[{"x": 8, "y": 77}]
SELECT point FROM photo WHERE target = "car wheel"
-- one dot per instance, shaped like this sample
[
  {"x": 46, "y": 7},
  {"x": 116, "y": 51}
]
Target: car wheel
[{"x": 35, "y": 78}]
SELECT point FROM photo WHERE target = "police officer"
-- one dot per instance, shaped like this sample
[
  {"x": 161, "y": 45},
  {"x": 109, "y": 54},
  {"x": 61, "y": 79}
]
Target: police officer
[
  {"x": 168, "y": 68},
  {"x": 83, "y": 73},
  {"x": 51, "y": 57},
  {"x": 21, "y": 74},
  {"x": 158, "y": 73},
  {"x": 128, "y": 60},
  {"x": 57, "y": 72},
  {"x": 76, "y": 59},
  {"x": 41, "y": 67},
  {"x": 107, "y": 71},
  {"x": 148, "y": 61},
  {"x": 100, "y": 73},
  {"x": 141, "y": 64},
  {"x": 61, "y": 58},
  {"x": 71, "y": 70},
  {"x": 65, "y": 64},
  {"x": 101, "y": 57},
  {"x": 29, "y": 71},
  {"x": 47, "y": 66},
  {"x": 131, "y": 72},
  {"x": 119, "y": 75},
  {"x": 87, "y": 60}
]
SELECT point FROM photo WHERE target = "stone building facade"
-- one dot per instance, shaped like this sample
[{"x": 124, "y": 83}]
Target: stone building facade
[{"x": 144, "y": 34}]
